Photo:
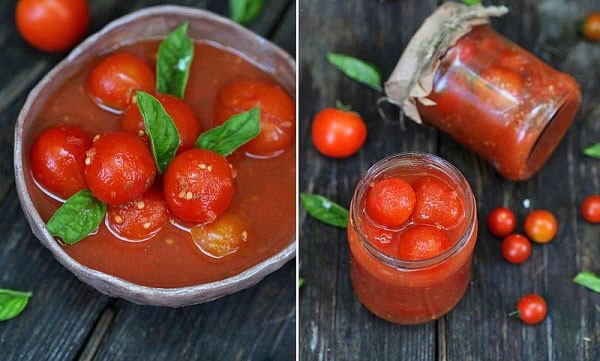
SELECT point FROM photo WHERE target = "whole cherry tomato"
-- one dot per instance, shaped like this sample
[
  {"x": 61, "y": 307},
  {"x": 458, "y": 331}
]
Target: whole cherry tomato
[
  {"x": 541, "y": 226},
  {"x": 113, "y": 82},
  {"x": 532, "y": 309},
  {"x": 422, "y": 242},
  {"x": 590, "y": 27},
  {"x": 501, "y": 222},
  {"x": 437, "y": 203},
  {"x": 501, "y": 87},
  {"x": 390, "y": 201},
  {"x": 58, "y": 160},
  {"x": 277, "y": 114},
  {"x": 52, "y": 25},
  {"x": 338, "y": 133},
  {"x": 222, "y": 237},
  {"x": 590, "y": 209},
  {"x": 119, "y": 168},
  {"x": 516, "y": 248}
]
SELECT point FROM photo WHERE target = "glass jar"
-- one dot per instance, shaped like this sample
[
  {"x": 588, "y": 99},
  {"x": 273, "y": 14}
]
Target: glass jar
[{"x": 403, "y": 291}]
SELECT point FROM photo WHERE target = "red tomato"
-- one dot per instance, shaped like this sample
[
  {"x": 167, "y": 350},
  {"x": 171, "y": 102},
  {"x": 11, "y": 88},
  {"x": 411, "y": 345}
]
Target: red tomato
[
  {"x": 381, "y": 238},
  {"x": 222, "y": 237},
  {"x": 541, "y": 226},
  {"x": 198, "y": 185},
  {"x": 422, "y": 242},
  {"x": 591, "y": 27},
  {"x": 338, "y": 133},
  {"x": 278, "y": 114},
  {"x": 498, "y": 86},
  {"x": 516, "y": 248},
  {"x": 52, "y": 25},
  {"x": 119, "y": 168},
  {"x": 141, "y": 219},
  {"x": 58, "y": 160},
  {"x": 185, "y": 121},
  {"x": 390, "y": 202},
  {"x": 590, "y": 209},
  {"x": 437, "y": 203},
  {"x": 532, "y": 309},
  {"x": 113, "y": 82},
  {"x": 501, "y": 222}
]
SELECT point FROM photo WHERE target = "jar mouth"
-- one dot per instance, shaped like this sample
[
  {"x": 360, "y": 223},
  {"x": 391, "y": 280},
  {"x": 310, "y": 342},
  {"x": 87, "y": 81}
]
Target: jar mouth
[{"x": 419, "y": 161}]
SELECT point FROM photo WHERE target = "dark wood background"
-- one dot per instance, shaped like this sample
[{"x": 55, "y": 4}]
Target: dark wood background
[
  {"x": 66, "y": 319},
  {"x": 333, "y": 324}
]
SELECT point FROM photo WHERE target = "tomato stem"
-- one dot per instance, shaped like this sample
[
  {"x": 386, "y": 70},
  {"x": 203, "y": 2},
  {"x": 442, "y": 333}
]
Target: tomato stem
[{"x": 514, "y": 313}]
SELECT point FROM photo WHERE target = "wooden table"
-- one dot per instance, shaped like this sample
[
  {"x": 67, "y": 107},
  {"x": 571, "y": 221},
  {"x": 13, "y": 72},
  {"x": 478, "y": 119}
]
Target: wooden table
[
  {"x": 66, "y": 319},
  {"x": 333, "y": 324}
]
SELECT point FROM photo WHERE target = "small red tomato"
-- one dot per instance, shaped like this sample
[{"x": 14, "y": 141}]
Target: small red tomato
[
  {"x": 338, "y": 133},
  {"x": 590, "y": 209},
  {"x": 541, "y": 226},
  {"x": 532, "y": 309},
  {"x": 501, "y": 87},
  {"x": 119, "y": 168},
  {"x": 113, "y": 82},
  {"x": 277, "y": 114},
  {"x": 141, "y": 219},
  {"x": 390, "y": 202},
  {"x": 198, "y": 185},
  {"x": 383, "y": 239},
  {"x": 501, "y": 222},
  {"x": 58, "y": 160},
  {"x": 516, "y": 248},
  {"x": 422, "y": 242},
  {"x": 590, "y": 27},
  {"x": 185, "y": 121},
  {"x": 52, "y": 25},
  {"x": 222, "y": 237},
  {"x": 437, "y": 203}
]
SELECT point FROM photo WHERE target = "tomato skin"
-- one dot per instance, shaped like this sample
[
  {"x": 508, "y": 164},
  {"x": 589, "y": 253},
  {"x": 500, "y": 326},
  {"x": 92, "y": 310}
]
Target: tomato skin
[
  {"x": 390, "y": 201},
  {"x": 532, "y": 309},
  {"x": 591, "y": 27},
  {"x": 541, "y": 226},
  {"x": 119, "y": 168},
  {"x": 501, "y": 222},
  {"x": 198, "y": 185},
  {"x": 278, "y": 114},
  {"x": 338, "y": 133},
  {"x": 58, "y": 160},
  {"x": 516, "y": 248},
  {"x": 52, "y": 25},
  {"x": 222, "y": 237},
  {"x": 113, "y": 82},
  {"x": 422, "y": 242},
  {"x": 590, "y": 208},
  {"x": 437, "y": 203}
]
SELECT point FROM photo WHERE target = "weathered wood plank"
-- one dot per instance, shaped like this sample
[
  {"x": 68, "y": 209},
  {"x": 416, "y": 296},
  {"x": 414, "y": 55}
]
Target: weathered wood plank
[{"x": 285, "y": 33}]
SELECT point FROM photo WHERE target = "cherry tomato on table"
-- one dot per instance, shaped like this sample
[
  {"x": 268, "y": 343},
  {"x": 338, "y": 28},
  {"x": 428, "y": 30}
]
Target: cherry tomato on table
[
  {"x": 590, "y": 27},
  {"x": 590, "y": 209},
  {"x": 390, "y": 201},
  {"x": 338, "y": 133},
  {"x": 222, "y": 237},
  {"x": 516, "y": 248},
  {"x": 437, "y": 203},
  {"x": 422, "y": 242},
  {"x": 52, "y": 25},
  {"x": 501, "y": 222},
  {"x": 532, "y": 309},
  {"x": 58, "y": 160},
  {"x": 541, "y": 226}
]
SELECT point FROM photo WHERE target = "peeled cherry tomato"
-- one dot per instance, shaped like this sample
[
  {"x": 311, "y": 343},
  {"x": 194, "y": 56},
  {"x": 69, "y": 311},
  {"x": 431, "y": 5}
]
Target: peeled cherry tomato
[
  {"x": 141, "y": 219},
  {"x": 532, "y": 309},
  {"x": 502, "y": 87},
  {"x": 113, "y": 82},
  {"x": 390, "y": 201},
  {"x": 58, "y": 160},
  {"x": 541, "y": 226},
  {"x": 222, "y": 237},
  {"x": 422, "y": 242},
  {"x": 119, "y": 168},
  {"x": 381, "y": 238},
  {"x": 590, "y": 209},
  {"x": 501, "y": 222},
  {"x": 516, "y": 248},
  {"x": 590, "y": 27},
  {"x": 437, "y": 203},
  {"x": 338, "y": 133},
  {"x": 278, "y": 114},
  {"x": 52, "y": 25},
  {"x": 185, "y": 121},
  {"x": 198, "y": 185}
]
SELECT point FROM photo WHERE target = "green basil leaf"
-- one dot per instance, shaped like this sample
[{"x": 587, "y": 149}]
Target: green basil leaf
[
  {"x": 589, "y": 280},
  {"x": 164, "y": 138},
  {"x": 175, "y": 55},
  {"x": 325, "y": 210},
  {"x": 235, "y": 132},
  {"x": 12, "y": 303},
  {"x": 356, "y": 69},
  {"x": 593, "y": 151},
  {"x": 79, "y": 216},
  {"x": 245, "y": 11},
  {"x": 471, "y": 2}
]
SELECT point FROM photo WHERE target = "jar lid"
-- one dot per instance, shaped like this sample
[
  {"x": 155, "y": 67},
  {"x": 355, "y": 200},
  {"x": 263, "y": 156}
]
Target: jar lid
[{"x": 412, "y": 78}]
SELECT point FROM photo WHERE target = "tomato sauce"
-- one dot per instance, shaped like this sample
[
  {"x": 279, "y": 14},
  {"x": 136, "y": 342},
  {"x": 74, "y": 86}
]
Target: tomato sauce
[{"x": 264, "y": 188}]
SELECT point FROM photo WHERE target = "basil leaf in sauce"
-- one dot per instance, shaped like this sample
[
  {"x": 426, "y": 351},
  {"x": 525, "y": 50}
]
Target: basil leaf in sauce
[
  {"x": 325, "y": 210},
  {"x": 12, "y": 303},
  {"x": 589, "y": 280},
  {"x": 245, "y": 11},
  {"x": 175, "y": 55},
  {"x": 79, "y": 216},
  {"x": 593, "y": 151},
  {"x": 235, "y": 132},
  {"x": 164, "y": 138},
  {"x": 356, "y": 69}
]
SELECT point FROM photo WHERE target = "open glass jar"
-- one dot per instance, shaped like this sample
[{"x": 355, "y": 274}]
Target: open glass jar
[{"x": 410, "y": 291}]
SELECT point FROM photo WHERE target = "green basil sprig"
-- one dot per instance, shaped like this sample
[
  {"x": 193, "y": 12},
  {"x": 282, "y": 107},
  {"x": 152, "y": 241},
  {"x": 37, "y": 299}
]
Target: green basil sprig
[
  {"x": 589, "y": 280},
  {"x": 356, "y": 69},
  {"x": 77, "y": 217},
  {"x": 325, "y": 210},
  {"x": 235, "y": 132},
  {"x": 593, "y": 151},
  {"x": 175, "y": 55},
  {"x": 12, "y": 303},
  {"x": 471, "y": 2},
  {"x": 245, "y": 11},
  {"x": 164, "y": 138}
]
